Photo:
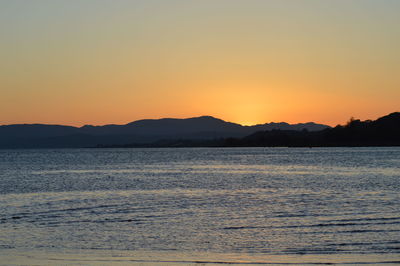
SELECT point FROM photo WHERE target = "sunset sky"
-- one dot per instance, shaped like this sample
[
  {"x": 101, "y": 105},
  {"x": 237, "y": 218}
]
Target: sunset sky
[{"x": 250, "y": 61}]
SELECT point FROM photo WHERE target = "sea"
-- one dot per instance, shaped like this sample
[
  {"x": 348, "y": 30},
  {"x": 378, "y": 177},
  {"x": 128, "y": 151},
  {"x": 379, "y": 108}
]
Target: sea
[{"x": 200, "y": 206}]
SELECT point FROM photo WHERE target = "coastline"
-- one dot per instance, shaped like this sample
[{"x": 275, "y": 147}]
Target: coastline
[{"x": 175, "y": 258}]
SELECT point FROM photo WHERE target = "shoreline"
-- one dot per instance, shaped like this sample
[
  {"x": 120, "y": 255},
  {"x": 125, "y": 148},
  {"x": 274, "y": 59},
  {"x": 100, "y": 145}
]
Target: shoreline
[{"x": 175, "y": 258}]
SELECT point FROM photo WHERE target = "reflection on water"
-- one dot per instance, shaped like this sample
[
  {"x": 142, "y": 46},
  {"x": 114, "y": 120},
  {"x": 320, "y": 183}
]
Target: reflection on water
[
  {"x": 172, "y": 258},
  {"x": 233, "y": 202}
]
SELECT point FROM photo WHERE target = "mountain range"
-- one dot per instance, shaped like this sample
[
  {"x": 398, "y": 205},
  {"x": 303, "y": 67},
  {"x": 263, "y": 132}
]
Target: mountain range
[
  {"x": 385, "y": 131},
  {"x": 140, "y": 132}
]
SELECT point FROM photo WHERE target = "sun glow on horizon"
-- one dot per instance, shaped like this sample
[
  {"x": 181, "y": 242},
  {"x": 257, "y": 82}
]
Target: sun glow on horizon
[{"x": 249, "y": 62}]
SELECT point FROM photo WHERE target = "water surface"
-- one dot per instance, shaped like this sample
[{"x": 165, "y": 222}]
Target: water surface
[{"x": 228, "y": 203}]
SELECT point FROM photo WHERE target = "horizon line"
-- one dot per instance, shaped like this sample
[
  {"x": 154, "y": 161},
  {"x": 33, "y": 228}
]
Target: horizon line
[
  {"x": 162, "y": 118},
  {"x": 210, "y": 116}
]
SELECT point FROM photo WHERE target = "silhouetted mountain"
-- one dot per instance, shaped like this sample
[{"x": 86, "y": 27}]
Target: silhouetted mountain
[
  {"x": 384, "y": 131},
  {"x": 168, "y": 126},
  {"x": 310, "y": 126},
  {"x": 140, "y": 132}
]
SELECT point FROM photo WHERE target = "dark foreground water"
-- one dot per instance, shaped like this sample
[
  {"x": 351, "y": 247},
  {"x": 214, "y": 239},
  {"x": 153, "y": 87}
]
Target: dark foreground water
[{"x": 229, "y": 203}]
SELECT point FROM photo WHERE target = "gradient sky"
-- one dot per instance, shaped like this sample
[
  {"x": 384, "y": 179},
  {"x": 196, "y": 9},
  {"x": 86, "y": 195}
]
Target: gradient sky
[{"x": 250, "y": 61}]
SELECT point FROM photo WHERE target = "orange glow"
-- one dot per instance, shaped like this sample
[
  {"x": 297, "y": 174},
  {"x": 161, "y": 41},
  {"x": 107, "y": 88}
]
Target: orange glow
[{"x": 99, "y": 63}]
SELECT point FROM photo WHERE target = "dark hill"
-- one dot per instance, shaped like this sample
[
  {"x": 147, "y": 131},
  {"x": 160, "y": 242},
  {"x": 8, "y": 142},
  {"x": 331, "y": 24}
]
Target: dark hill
[
  {"x": 141, "y": 131},
  {"x": 384, "y": 131},
  {"x": 381, "y": 132}
]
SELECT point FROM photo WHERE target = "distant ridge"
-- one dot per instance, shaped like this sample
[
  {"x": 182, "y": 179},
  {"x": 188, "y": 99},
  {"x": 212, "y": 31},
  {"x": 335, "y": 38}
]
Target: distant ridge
[
  {"x": 384, "y": 131},
  {"x": 140, "y": 131}
]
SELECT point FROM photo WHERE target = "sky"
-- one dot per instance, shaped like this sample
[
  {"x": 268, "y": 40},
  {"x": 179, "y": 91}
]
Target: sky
[{"x": 101, "y": 62}]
